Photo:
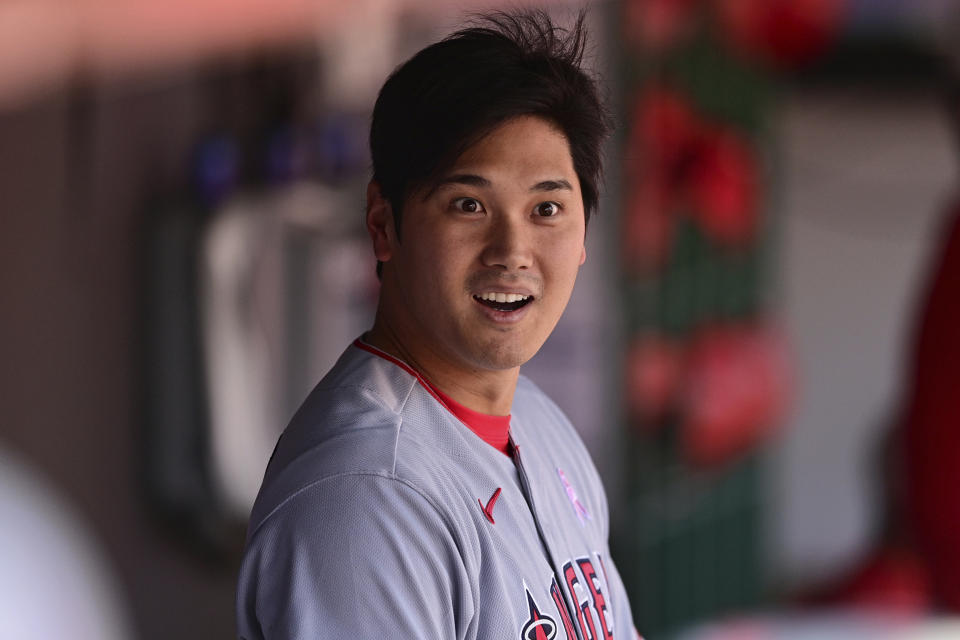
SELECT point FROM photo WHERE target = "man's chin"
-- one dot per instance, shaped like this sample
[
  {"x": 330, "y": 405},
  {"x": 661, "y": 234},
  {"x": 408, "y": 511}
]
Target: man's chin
[{"x": 503, "y": 357}]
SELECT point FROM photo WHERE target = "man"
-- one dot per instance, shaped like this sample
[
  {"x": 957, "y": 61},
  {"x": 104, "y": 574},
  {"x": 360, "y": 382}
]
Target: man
[{"x": 425, "y": 489}]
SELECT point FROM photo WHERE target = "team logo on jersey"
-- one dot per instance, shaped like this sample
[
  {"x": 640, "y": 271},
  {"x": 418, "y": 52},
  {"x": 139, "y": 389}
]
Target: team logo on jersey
[
  {"x": 587, "y": 607},
  {"x": 581, "y": 510},
  {"x": 488, "y": 510},
  {"x": 538, "y": 626}
]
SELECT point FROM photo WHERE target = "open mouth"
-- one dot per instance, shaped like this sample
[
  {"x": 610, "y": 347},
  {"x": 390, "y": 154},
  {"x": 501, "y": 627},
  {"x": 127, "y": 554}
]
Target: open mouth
[{"x": 503, "y": 301}]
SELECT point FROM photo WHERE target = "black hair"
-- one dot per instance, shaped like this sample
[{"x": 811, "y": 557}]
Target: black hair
[{"x": 454, "y": 92}]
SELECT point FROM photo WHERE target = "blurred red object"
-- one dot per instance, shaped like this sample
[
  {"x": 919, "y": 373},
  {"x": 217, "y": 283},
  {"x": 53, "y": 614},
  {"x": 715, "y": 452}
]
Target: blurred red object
[
  {"x": 725, "y": 187},
  {"x": 665, "y": 127},
  {"x": 784, "y": 33},
  {"x": 658, "y": 24},
  {"x": 676, "y": 161},
  {"x": 894, "y": 581},
  {"x": 648, "y": 227},
  {"x": 654, "y": 374},
  {"x": 737, "y": 392},
  {"x": 931, "y": 425},
  {"x": 664, "y": 132},
  {"x": 916, "y": 566}
]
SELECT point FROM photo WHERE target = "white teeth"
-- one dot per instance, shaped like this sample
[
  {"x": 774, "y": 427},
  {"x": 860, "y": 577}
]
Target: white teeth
[{"x": 502, "y": 297}]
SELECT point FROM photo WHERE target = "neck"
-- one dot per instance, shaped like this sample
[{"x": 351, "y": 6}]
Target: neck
[{"x": 482, "y": 390}]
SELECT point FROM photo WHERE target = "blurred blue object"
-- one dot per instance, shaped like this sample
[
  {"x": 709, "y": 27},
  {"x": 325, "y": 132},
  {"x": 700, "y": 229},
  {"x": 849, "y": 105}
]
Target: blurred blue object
[{"x": 216, "y": 169}]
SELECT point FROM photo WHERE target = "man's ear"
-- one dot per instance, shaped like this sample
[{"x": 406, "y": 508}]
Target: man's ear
[
  {"x": 583, "y": 255},
  {"x": 380, "y": 223}
]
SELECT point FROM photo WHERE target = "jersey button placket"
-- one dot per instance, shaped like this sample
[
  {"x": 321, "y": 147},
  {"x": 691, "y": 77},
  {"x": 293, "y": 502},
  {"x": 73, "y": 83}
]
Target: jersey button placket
[{"x": 547, "y": 542}]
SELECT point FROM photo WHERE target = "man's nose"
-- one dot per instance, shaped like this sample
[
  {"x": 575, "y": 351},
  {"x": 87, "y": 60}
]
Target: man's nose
[{"x": 508, "y": 244}]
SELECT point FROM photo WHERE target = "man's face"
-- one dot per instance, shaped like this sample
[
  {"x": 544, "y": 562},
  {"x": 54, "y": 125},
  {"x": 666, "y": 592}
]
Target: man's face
[{"x": 490, "y": 253}]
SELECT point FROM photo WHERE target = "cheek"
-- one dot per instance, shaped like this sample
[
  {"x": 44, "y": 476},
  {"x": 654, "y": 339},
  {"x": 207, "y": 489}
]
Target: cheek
[
  {"x": 569, "y": 254},
  {"x": 441, "y": 264}
]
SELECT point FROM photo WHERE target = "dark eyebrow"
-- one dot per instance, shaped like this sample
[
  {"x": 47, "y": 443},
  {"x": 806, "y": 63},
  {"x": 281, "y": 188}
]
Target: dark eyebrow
[
  {"x": 552, "y": 185},
  {"x": 462, "y": 178},
  {"x": 474, "y": 180},
  {"x": 470, "y": 179}
]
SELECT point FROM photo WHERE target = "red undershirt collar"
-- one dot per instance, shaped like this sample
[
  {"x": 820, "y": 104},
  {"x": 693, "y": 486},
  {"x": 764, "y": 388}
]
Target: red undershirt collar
[{"x": 494, "y": 430}]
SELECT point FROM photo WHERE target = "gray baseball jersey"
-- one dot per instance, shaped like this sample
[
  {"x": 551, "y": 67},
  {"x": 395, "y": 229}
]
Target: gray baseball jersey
[{"x": 381, "y": 515}]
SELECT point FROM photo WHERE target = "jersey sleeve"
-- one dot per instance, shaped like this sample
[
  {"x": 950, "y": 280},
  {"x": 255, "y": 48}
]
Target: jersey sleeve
[{"x": 354, "y": 556}]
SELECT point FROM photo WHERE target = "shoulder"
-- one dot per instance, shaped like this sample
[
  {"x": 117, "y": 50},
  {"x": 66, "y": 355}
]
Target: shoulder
[
  {"x": 368, "y": 417},
  {"x": 348, "y": 424},
  {"x": 350, "y": 507}
]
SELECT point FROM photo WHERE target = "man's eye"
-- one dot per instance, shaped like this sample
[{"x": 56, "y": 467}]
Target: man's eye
[
  {"x": 468, "y": 205},
  {"x": 548, "y": 209}
]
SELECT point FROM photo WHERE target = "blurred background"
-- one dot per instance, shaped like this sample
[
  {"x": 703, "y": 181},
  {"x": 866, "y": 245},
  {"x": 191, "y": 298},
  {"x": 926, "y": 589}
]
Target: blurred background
[{"x": 761, "y": 353}]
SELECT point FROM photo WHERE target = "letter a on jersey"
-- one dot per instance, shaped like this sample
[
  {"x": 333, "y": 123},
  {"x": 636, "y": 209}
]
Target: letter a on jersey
[{"x": 538, "y": 626}]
